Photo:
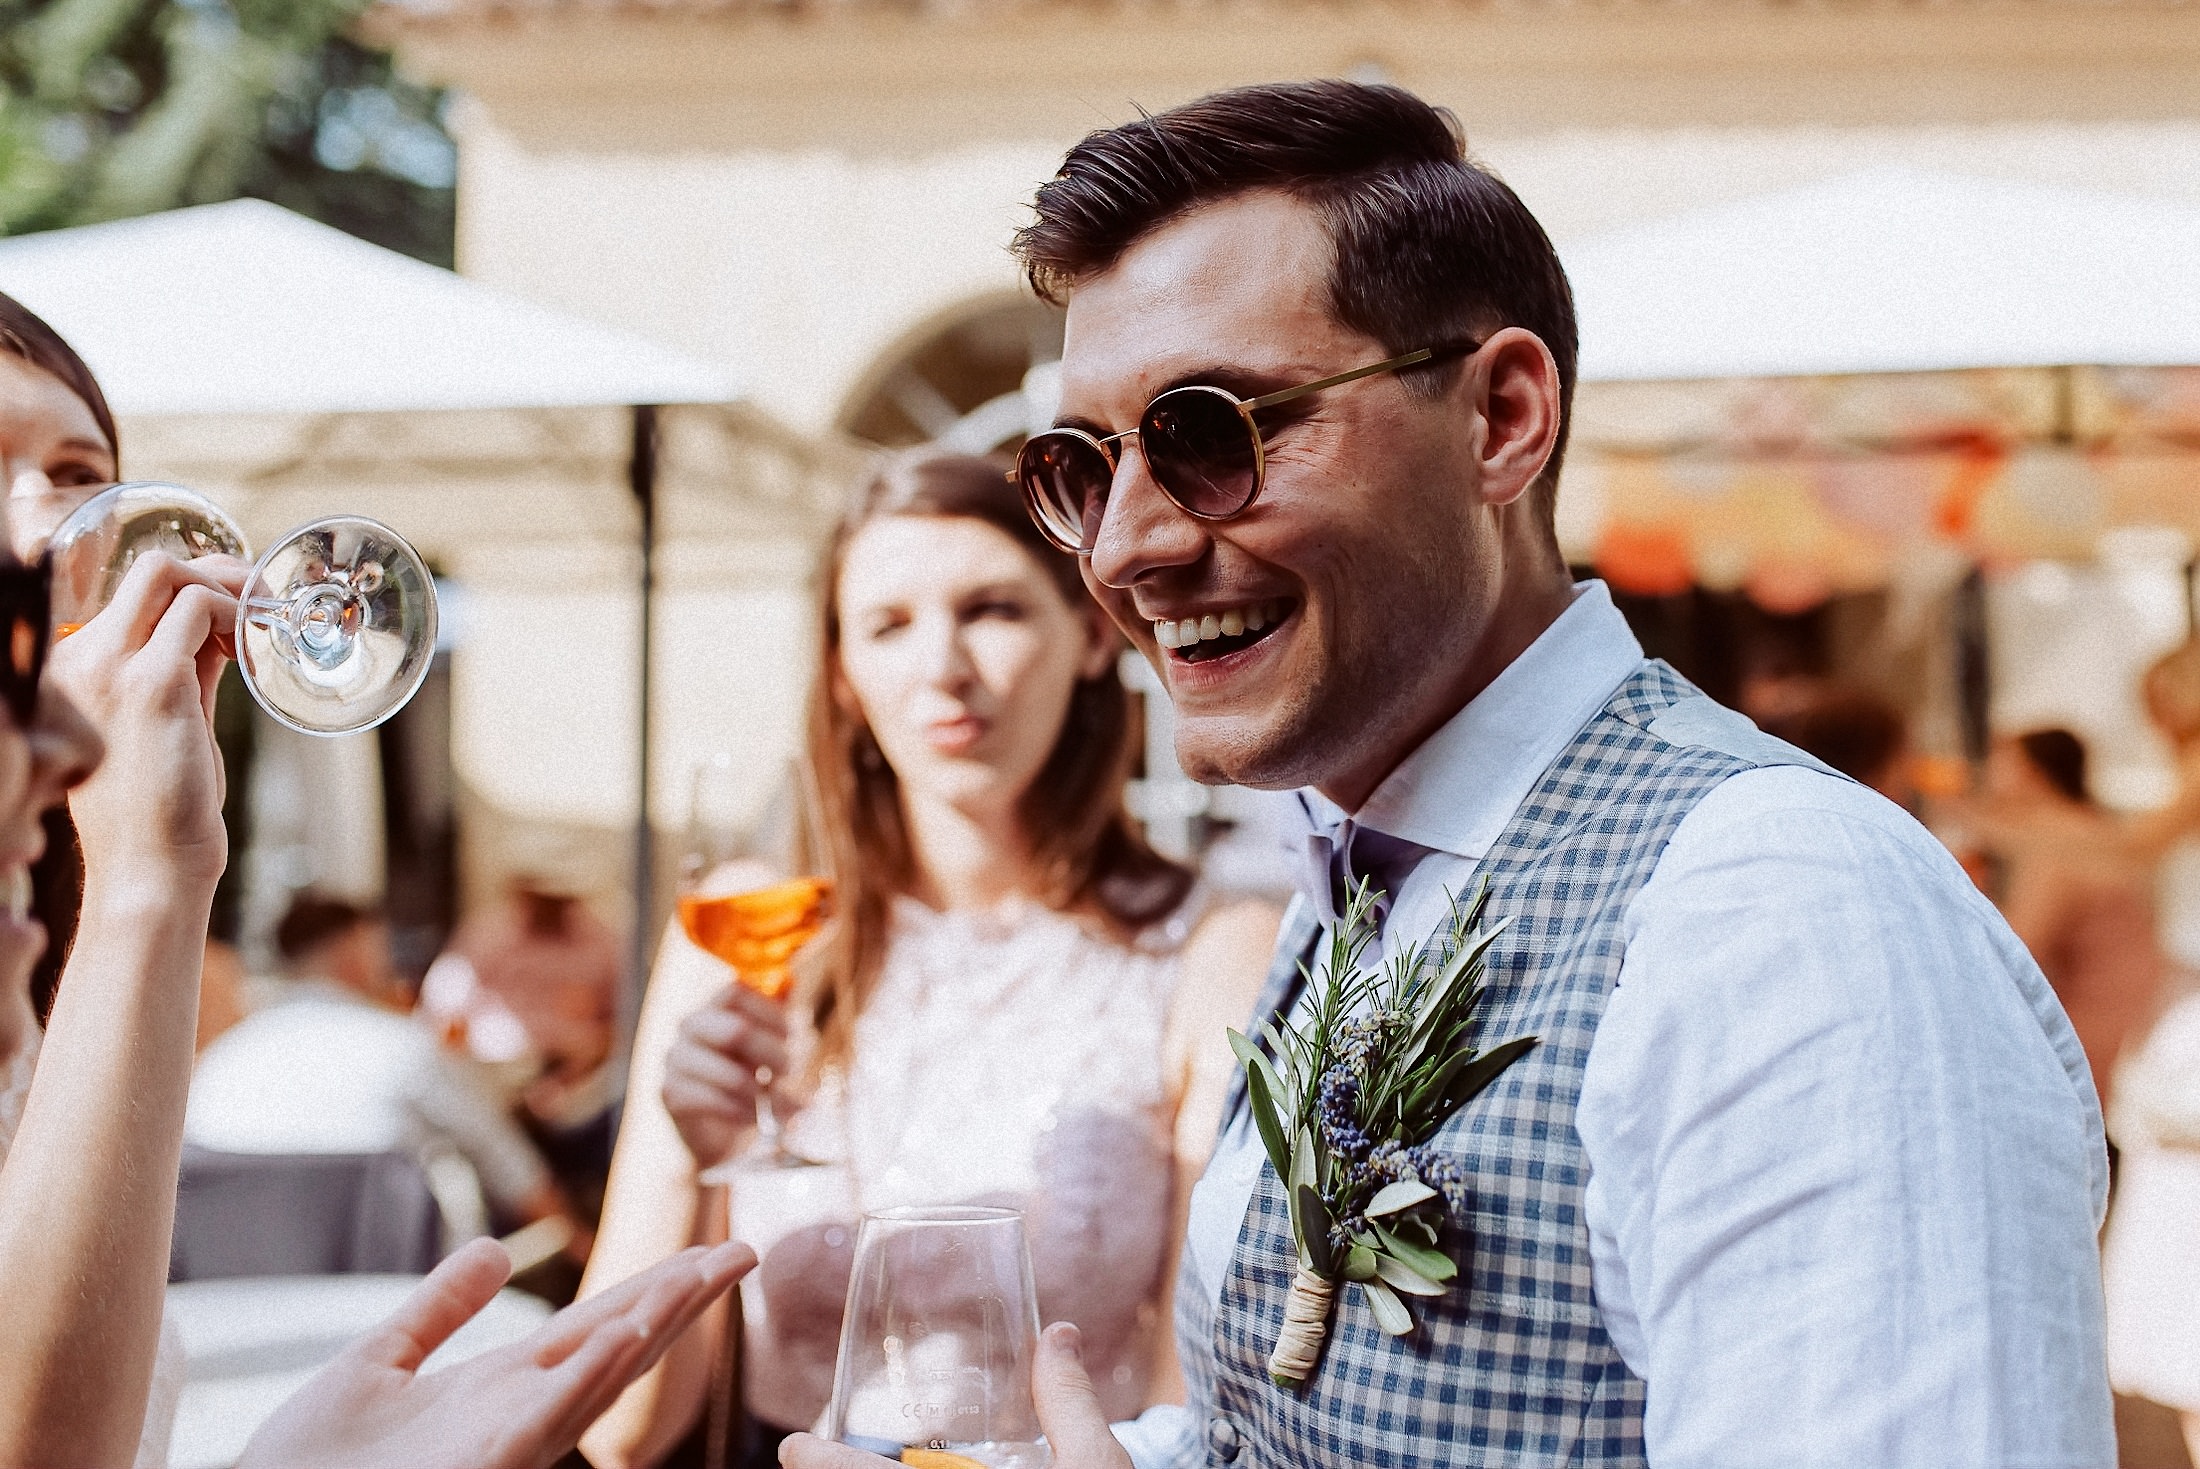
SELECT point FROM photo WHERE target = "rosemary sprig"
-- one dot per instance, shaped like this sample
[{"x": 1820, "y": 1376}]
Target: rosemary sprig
[{"x": 1346, "y": 1109}]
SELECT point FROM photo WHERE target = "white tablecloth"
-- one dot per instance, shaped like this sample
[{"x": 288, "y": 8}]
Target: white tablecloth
[{"x": 251, "y": 1343}]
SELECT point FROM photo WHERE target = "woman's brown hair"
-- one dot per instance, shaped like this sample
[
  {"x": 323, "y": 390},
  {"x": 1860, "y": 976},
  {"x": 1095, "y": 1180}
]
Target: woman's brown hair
[
  {"x": 24, "y": 334},
  {"x": 57, "y": 878},
  {"x": 1086, "y": 856}
]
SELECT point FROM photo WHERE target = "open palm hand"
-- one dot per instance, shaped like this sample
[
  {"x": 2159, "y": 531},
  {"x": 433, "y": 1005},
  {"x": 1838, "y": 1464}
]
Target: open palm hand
[{"x": 518, "y": 1407}]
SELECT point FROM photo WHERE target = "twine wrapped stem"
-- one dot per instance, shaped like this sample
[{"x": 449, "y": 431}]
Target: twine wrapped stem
[{"x": 1305, "y": 1326}]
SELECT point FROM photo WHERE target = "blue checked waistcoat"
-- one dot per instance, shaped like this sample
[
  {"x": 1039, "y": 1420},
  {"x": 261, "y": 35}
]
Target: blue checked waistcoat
[{"x": 1516, "y": 1369}]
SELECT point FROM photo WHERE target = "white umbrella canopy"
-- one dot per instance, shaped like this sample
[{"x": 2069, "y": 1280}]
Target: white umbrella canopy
[
  {"x": 1826, "y": 377},
  {"x": 1892, "y": 270},
  {"x": 244, "y": 307}
]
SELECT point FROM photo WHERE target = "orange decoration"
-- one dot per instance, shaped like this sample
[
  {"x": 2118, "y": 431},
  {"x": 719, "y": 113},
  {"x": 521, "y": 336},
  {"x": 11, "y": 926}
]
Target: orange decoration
[
  {"x": 1979, "y": 461},
  {"x": 1645, "y": 560}
]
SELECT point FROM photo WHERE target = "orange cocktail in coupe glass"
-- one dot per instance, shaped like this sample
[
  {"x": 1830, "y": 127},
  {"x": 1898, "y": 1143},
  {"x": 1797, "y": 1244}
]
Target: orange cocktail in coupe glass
[{"x": 756, "y": 931}]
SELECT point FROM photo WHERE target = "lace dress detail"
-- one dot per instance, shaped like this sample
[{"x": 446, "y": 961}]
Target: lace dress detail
[
  {"x": 169, "y": 1367},
  {"x": 1007, "y": 1056}
]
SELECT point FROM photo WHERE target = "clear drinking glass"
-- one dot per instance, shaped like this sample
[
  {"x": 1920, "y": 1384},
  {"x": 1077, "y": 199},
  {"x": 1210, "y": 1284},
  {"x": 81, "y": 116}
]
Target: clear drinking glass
[
  {"x": 937, "y": 1341},
  {"x": 335, "y": 631}
]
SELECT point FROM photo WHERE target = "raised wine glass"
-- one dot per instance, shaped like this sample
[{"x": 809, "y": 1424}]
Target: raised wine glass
[
  {"x": 336, "y": 627},
  {"x": 937, "y": 1341},
  {"x": 756, "y": 930}
]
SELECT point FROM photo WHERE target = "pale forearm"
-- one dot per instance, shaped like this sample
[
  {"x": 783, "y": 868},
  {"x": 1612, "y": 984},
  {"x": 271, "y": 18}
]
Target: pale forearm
[
  {"x": 87, "y": 1196},
  {"x": 653, "y": 1208},
  {"x": 659, "y": 1408}
]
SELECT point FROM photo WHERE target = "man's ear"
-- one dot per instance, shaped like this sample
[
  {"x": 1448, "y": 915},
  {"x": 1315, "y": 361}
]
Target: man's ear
[
  {"x": 1514, "y": 394},
  {"x": 1104, "y": 642}
]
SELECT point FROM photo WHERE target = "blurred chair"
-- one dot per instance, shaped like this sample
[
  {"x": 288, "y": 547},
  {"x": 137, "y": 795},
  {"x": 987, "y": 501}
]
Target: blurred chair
[{"x": 240, "y": 1214}]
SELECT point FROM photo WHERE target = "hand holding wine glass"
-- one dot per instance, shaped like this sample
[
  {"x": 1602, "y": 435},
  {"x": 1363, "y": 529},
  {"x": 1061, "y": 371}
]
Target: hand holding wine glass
[
  {"x": 143, "y": 676},
  {"x": 711, "y": 1072},
  {"x": 721, "y": 1072},
  {"x": 1070, "y": 1414},
  {"x": 334, "y": 629}
]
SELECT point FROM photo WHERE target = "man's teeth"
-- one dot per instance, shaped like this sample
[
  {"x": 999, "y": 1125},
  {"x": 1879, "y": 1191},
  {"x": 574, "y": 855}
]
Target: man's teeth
[
  {"x": 15, "y": 886},
  {"x": 1190, "y": 631}
]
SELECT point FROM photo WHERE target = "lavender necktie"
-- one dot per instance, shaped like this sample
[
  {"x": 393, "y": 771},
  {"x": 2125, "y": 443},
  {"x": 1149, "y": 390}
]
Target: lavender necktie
[{"x": 1348, "y": 853}]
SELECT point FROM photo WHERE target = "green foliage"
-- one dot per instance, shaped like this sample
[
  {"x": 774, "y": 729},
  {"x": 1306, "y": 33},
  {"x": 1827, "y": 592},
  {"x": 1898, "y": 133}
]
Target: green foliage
[{"x": 112, "y": 108}]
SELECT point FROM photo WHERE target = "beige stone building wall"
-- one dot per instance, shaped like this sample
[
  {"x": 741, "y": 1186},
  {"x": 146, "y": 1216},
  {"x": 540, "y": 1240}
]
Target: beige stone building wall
[{"x": 803, "y": 190}]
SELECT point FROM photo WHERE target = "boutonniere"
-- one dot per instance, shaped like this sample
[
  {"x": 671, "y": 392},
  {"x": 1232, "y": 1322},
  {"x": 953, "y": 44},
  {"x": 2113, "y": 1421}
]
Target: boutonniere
[{"x": 1346, "y": 1111}]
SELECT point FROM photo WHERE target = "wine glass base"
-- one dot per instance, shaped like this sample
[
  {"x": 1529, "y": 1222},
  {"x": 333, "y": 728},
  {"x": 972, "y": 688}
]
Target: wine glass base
[
  {"x": 337, "y": 628},
  {"x": 774, "y": 1161}
]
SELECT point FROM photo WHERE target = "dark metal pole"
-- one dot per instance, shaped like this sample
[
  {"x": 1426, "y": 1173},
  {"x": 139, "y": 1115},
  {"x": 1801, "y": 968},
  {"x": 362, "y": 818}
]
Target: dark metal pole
[
  {"x": 1974, "y": 667},
  {"x": 641, "y": 478}
]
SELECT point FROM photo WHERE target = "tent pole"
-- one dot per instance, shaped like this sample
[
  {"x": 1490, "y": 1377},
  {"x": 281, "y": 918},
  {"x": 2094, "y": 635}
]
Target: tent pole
[
  {"x": 1974, "y": 688},
  {"x": 641, "y": 478}
]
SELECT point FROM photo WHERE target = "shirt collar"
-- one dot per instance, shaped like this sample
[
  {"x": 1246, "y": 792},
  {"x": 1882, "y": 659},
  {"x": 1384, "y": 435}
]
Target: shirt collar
[{"x": 1456, "y": 792}]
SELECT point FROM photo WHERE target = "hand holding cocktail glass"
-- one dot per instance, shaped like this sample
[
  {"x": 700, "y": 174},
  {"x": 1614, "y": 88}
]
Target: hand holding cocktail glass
[{"x": 721, "y": 1071}]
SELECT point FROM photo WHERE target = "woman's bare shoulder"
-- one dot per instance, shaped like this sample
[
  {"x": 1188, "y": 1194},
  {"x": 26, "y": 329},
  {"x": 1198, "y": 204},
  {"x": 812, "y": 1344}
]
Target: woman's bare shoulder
[{"x": 1224, "y": 960}]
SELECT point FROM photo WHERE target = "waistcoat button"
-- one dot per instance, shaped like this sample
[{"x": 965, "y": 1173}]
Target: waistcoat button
[{"x": 1222, "y": 1438}]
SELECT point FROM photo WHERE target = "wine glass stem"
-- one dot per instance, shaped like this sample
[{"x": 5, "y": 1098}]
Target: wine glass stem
[{"x": 767, "y": 1116}]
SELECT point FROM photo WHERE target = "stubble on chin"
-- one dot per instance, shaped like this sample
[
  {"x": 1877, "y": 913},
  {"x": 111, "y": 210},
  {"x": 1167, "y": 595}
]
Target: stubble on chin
[
  {"x": 1279, "y": 748},
  {"x": 1318, "y": 734}
]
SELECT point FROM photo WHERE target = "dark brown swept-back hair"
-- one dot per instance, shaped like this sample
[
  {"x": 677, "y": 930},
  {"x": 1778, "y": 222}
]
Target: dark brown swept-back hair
[
  {"x": 1086, "y": 857},
  {"x": 57, "y": 879},
  {"x": 1430, "y": 246}
]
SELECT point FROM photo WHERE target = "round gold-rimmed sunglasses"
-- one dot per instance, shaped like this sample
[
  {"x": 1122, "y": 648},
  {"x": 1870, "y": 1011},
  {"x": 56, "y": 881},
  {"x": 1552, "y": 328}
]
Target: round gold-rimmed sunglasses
[{"x": 1201, "y": 444}]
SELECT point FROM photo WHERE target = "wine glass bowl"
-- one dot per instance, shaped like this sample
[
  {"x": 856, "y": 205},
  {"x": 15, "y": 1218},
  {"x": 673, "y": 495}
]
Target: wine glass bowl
[
  {"x": 938, "y": 1339},
  {"x": 95, "y": 547},
  {"x": 337, "y": 626}
]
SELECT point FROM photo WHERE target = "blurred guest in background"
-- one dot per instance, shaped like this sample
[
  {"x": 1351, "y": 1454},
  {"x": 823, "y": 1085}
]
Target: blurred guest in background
[
  {"x": 1024, "y": 1003},
  {"x": 224, "y": 986},
  {"x": 1851, "y": 729},
  {"x": 2151, "y": 1255},
  {"x": 529, "y": 989},
  {"x": 337, "y": 1066},
  {"x": 2075, "y": 890}
]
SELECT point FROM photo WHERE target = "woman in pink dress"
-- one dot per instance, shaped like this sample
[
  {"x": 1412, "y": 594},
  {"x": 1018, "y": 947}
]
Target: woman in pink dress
[{"x": 1024, "y": 1003}]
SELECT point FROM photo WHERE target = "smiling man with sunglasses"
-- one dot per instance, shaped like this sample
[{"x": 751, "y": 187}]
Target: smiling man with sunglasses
[{"x": 1806, "y": 1167}]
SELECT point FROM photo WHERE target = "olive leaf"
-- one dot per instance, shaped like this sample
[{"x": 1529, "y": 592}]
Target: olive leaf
[
  {"x": 1434, "y": 1264},
  {"x": 1394, "y": 1197},
  {"x": 1404, "y": 1277},
  {"x": 1486, "y": 1069},
  {"x": 1314, "y": 1240},
  {"x": 1261, "y": 1091},
  {"x": 1390, "y": 1312}
]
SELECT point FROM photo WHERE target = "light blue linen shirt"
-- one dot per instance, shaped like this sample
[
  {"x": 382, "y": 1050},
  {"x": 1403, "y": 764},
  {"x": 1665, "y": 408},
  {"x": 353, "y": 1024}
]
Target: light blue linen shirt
[{"x": 1843, "y": 1206}]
